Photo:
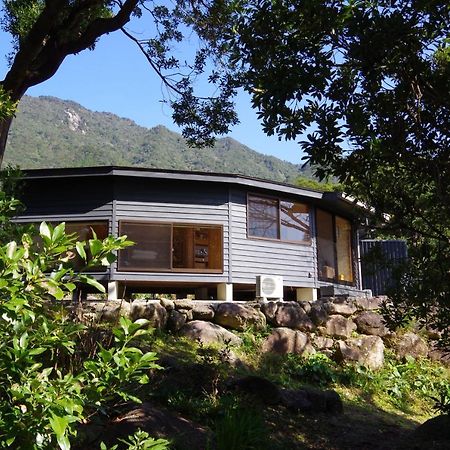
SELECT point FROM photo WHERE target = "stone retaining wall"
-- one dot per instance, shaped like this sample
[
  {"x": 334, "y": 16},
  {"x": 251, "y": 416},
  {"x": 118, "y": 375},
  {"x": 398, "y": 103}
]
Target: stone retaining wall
[{"x": 346, "y": 329}]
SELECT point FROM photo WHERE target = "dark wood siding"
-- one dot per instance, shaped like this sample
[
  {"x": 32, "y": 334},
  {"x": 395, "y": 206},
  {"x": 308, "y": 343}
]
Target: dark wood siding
[
  {"x": 171, "y": 201},
  {"x": 65, "y": 199},
  {"x": 251, "y": 257}
]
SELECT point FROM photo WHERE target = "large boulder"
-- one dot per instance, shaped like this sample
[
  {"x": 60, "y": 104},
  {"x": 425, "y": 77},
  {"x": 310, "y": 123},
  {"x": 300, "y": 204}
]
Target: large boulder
[
  {"x": 340, "y": 306},
  {"x": 292, "y": 315},
  {"x": 259, "y": 388},
  {"x": 339, "y": 327},
  {"x": 167, "y": 303},
  {"x": 322, "y": 342},
  {"x": 176, "y": 320},
  {"x": 410, "y": 344},
  {"x": 318, "y": 313},
  {"x": 365, "y": 350},
  {"x": 309, "y": 400},
  {"x": 285, "y": 340},
  {"x": 368, "y": 303},
  {"x": 371, "y": 323},
  {"x": 434, "y": 433},
  {"x": 183, "y": 303},
  {"x": 209, "y": 333},
  {"x": 269, "y": 309},
  {"x": 158, "y": 422},
  {"x": 239, "y": 317},
  {"x": 202, "y": 312},
  {"x": 151, "y": 310},
  {"x": 107, "y": 311}
]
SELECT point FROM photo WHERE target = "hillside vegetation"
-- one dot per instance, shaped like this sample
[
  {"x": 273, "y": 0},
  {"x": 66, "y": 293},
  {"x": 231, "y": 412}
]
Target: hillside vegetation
[{"x": 49, "y": 132}]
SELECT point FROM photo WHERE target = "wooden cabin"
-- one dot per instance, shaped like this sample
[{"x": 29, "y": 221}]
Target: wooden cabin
[{"x": 220, "y": 236}]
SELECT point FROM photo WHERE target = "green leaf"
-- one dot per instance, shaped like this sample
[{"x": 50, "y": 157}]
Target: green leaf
[
  {"x": 44, "y": 230},
  {"x": 59, "y": 425},
  {"x": 58, "y": 232},
  {"x": 95, "y": 246},
  {"x": 80, "y": 249},
  {"x": 94, "y": 283}
]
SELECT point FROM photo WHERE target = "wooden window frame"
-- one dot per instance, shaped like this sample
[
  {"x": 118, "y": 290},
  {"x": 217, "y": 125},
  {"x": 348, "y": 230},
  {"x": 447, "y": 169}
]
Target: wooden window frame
[
  {"x": 172, "y": 269},
  {"x": 278, "y": 239},
  {"x": 336, "y": 280}
]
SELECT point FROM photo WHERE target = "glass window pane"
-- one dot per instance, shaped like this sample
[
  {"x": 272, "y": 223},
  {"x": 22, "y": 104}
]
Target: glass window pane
[
  {"x": 263, "y": 218},
  {"x": 326, "y": 254},
  {"x": 152, "y": 249},
  {"x": 344, "y": 249},
  {"x": 197, "y": 247},
  {"x": 294, "y": 219}
]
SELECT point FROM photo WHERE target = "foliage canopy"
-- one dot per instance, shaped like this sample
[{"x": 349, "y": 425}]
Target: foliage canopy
[{"x": 367, "y": 82}]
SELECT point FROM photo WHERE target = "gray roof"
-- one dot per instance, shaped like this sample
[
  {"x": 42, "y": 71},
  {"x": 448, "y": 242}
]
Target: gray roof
[{"x": 330, "y": 200}]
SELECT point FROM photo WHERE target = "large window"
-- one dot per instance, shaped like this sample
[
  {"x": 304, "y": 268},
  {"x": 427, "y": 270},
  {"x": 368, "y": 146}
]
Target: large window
[
  {"x": 172, "y": 247},
  {"x": 272, "y": 218},
  {"x": 334, "y": 247},
  {"x": 86, "y": 231}
]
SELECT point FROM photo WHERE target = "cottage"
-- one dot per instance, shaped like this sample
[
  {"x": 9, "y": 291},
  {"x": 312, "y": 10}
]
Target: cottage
[{"x": 219, "y": 236}]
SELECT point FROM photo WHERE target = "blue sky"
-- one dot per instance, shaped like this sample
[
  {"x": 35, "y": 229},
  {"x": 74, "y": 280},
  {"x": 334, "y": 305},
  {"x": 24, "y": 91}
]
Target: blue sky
[{"x": 116, "y": 78}]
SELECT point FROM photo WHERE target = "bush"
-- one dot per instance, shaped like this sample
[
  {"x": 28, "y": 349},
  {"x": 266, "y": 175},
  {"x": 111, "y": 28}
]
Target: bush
[{"x": 43, "y": 396}]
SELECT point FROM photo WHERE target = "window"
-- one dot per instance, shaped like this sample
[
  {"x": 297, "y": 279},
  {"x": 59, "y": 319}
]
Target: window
[
  {"x": 278, "y": 219},
  {"x": 334, "y": 247},
  {"x": 85, "y": 231},
  {"x": 172, "y": 247}
]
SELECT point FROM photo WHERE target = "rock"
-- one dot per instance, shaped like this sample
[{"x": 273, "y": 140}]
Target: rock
[
  {"x": 318, "y": 313},
  {"x": 262, "y": 389},
  {"x": 151, "y": 310},
  {"x": 203, "y": 312},
  {"x": 292, "y": 315},
  {"x": 168, "y": 304},
  {"x": 322, "y": 342},
  {"x": 411, "y": 344},
  {"x": 176, "y": 320},
  {"x": 305, "y": 305},
  {"x": 285, "y": 340},
  {"x": 183, "y": 304},
  {"x": 341, "y": 306},
  {"x": 239, "y": 317},
  {"x": 159, "y": 423},
  {"x": 310, "y": 400},
  {"x": 209, "y": 333},
  {"x": 108, "y": 311},
  {"x": 433, "y": 432},
  {"x": 368, "y": 303},
  {"x": 269, "y": 309},
  {"x": 365, "y": 350},
  {"x": 339, "y": 327},
  {"x": 371, "y": 323},
  {"x": 439, "y": 355},
  {"x": 187, "y": 312}
]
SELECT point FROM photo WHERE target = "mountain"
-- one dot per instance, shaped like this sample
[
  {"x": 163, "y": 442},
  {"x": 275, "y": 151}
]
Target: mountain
[{"x": 49, "y": 132}]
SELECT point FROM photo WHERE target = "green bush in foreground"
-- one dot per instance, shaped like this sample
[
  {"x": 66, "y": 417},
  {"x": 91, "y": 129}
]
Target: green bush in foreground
[{"x": 43, "y": 393}]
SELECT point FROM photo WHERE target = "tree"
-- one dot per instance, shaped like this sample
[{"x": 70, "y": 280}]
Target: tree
[
  {"x": 45, "y": 32},
  {"x": 366, "y": 86}
]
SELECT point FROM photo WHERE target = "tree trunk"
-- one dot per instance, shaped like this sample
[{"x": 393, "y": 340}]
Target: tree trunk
[{"x": 4, "y": 130}]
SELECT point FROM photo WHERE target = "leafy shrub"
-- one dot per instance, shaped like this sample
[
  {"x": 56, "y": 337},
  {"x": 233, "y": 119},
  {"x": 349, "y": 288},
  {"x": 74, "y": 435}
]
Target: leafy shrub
[
  {"x": 442, "y": 399},
  {"x": 42, "y": 396},
  {"x": 241, "y": 429},
  {"x": 315, "y": 369},
  {"x": 140, "y": 441}
]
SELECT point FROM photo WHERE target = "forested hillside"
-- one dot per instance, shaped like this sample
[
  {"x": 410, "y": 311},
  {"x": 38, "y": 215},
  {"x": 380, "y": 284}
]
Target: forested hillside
[{"x": 49, "y": 132}]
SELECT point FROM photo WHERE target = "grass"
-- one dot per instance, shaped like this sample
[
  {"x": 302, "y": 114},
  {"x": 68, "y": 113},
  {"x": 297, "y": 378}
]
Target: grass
[{"x": 380, "y": 408}]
